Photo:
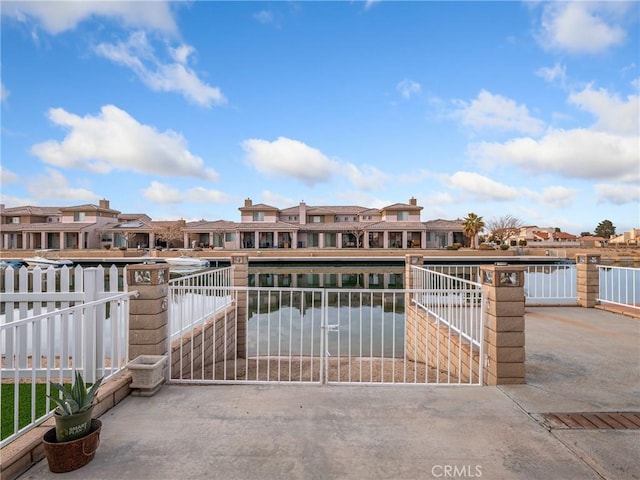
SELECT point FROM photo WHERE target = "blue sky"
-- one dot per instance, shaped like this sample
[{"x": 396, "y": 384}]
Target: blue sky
[{"x": 183, "y": 110}]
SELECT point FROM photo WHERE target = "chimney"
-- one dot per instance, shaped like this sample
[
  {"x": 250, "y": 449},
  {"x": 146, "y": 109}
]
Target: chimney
[
  {"x": 303, "y": 213},
  {"x": 413, "y": 202},
  {"x": 104, "y": 203},
  {"x": 248, "y": 202}
]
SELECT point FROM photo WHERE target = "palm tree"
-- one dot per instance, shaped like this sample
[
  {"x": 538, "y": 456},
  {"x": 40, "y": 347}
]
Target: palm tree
[{"x": 471, "y": 226}]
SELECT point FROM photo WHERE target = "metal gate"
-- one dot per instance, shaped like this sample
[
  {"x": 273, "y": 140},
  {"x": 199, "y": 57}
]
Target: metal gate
[{"x": 317, "y": 335}]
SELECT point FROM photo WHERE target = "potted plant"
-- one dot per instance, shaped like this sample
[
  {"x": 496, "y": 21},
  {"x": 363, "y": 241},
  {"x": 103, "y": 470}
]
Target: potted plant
[
  {"x": 75, "y": 438},
  {"x": 73, "y": 414}
]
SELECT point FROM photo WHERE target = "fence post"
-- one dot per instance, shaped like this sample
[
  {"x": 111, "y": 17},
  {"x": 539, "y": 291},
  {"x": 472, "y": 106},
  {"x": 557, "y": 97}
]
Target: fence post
[
  {"x": 148, "y": 313},
  {"x": 90, "y": 333},
  {"x": 415, "y": 328},
  {"x": 240, "y": 264},
  {"x": 503, "y": 344},
  {"x": 588, "y": 280}
]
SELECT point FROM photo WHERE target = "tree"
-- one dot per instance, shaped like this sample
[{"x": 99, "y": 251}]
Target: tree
[
  {"x": 169, "y": 231},
  {"x": 472, "y": 225},
  {"x": 503, "y": 227},
  {"x": 605, "y": 229}
]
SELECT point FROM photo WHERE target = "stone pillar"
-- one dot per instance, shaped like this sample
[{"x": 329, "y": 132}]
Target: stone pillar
[
  {"x": 504, "y": 353},
  {"x": 148, "y": 313},
  {"x": 588, "y": 281},
  {"x": 240, "y": 264}
]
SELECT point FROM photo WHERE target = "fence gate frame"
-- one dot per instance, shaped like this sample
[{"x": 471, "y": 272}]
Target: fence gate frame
[{"x": 342, "y": 336}]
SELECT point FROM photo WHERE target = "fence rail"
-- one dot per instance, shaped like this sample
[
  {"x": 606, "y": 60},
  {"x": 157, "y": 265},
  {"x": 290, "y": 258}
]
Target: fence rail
[
  {"x": 305, "y": 335},
  {"x": 195, "y": 298},
  {"x": 549, "y": 284},
  {"x": 52, "y": 323},
  {"x": 451, "y": 298},
  {"x": 619, "y": 285}
]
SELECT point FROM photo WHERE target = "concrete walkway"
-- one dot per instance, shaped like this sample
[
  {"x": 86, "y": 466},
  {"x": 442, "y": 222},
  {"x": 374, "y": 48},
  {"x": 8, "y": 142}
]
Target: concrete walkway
[{"x": 577, "y": 360}]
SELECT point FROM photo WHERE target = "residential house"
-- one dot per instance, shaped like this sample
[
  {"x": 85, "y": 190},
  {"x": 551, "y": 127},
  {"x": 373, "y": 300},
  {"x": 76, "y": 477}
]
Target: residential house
[
  {"x": 31, "y": 227},
  {"x": 631, "y": 237},
  {"x": 261, "y": 226}
]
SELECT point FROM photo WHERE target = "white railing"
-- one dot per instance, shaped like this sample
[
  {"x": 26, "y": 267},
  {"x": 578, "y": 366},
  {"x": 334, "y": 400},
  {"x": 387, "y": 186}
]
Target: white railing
[
  {"x": 453, "y": 301},
  {"x": 195, "y": 298},
  {"x": 43, "y": 339},
  {"x": 303, "y": 335},
  {"x": 53, "y": 323},
  {"x": 619, "y": 285},
  {"x": 550, "y": 284}
]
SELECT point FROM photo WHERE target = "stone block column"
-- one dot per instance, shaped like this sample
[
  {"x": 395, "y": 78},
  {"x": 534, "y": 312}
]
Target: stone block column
[
  {"x": 149, "y": 312},
  {"x": 504, "y": 340},
  {"x": 240, "y": 264},
  {"x": 588, "y": 279}
]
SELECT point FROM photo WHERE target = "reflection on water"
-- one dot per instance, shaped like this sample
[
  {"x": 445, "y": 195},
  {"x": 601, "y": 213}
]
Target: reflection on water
[
  {"x": 327, "y": 277},
  {"x": 360, "y": 322}
]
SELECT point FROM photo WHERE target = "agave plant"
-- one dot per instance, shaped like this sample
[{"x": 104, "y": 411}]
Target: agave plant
[{"x": 76, "y": 399}]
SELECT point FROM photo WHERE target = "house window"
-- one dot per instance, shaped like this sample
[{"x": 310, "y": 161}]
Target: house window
[
  {"x": 292, "y": 217},
  {"x": 402, "y": 216},
  {"x": 312, "y": 239},
  {"x": 258, "y": 216},
  {"x": 15, "y": 219},
  {"x": 329, "y": 239},
  {"x": 229, "y": 237},
  {"x": 78, "y": 216},
  {"x": 316, "y": 219}
]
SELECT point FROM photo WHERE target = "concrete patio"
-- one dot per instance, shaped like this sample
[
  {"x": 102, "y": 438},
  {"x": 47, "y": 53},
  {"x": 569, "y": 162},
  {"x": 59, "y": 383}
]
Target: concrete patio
[{"x": 578, "y": 360}]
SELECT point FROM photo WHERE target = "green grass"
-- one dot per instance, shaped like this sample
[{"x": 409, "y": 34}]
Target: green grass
[{"x": 24, "y": 407}]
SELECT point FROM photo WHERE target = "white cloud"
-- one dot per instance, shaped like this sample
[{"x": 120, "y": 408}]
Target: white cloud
[
  {"x": 481, "y": 187},
  {"x": 618, "y": 194},
  {"x": 408, "y": 88},
  {"x": 578, "y": 153},
  {"x": 613, "y": 114},
  {"x": 4, "y": 93},
  {"x": 277, "y": 200},
  {"x": 7, "y": 176},
  {"x": 162, "y": 193},
  {"x": 159, "y": 192},
  {"x": 264, "y": 16},
  {"x": 489, "y": 111},
  {"x": 57, "y": 17},
  {"x": 285, "y": 157},
  {"x": 581, "y": 27},
  {"x": 366, "y": 178},
  {"x": 53, "y": 185},
  {"x": 114, "y": 140},
  {"x": 138, "y": 55},
  {"x": 555, "y": 196},
  {"x": 557, "y": 73}
]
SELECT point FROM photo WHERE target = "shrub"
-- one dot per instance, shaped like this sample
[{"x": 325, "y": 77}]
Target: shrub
[
  {"x": 106, "y": 246},
  {"x": 522, "y": 243},
  {"x": 512, "y": 243},
  {"x": 504, "y": 246}
]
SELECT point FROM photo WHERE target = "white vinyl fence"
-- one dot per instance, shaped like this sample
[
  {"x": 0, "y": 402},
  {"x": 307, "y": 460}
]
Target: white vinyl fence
[{"x": 52, "y": 323}]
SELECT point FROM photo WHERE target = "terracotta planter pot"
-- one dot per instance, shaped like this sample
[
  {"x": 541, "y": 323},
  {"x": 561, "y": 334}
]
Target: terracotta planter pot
[{"x": 71, "y": 455}]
